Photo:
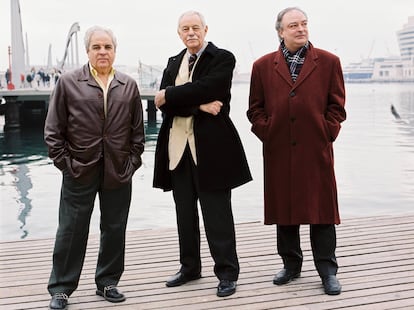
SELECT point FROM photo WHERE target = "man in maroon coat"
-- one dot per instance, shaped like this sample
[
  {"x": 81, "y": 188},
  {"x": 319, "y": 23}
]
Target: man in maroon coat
[{"x": 296, "y": 105}]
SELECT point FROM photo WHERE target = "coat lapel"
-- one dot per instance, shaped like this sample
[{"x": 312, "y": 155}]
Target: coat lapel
[
  {"x": 175, "y": 63},
  {"x": 308, "y": 66},
  {"x": 282, "y": 69}
]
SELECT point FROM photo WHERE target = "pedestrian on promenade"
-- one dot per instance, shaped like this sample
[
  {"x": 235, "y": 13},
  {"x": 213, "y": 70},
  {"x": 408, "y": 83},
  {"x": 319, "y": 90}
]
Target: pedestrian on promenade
[
  {"x": 296, "y": 106},
  {"x": 7, "y": 76},
  {"x": 95, "y": 134},
  {"x": 199, "y": 154}
]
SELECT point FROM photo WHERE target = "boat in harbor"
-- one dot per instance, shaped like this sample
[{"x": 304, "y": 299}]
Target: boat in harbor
[{"x": 359, "y": 71}]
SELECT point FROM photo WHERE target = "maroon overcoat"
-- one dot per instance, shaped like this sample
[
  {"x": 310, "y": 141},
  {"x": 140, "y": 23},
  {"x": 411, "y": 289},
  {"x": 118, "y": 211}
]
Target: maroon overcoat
[{"x": 297, "y": 123}]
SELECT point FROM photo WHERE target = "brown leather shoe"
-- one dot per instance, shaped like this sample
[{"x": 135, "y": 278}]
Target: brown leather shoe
[{"x": 285, "y": 276}]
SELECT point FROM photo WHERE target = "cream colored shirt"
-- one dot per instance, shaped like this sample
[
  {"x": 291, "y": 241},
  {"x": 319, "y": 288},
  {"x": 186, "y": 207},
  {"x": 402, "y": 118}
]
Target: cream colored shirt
[
  {"x": 181, "y": 131},
  {"x": 104, "y": 87}
]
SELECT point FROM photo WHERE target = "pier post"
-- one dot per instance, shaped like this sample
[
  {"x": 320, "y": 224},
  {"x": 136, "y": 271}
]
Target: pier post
[
  {"x": 151, "y": 113},
  {"x": 12, "y": 114},
  {"x": 28, "y": 107}
]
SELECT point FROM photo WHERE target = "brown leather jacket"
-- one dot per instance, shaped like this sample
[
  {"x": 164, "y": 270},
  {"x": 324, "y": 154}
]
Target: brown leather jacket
[{"x": 80, "y": 138}]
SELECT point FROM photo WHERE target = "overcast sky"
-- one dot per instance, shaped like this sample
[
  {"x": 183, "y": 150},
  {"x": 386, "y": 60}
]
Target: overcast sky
[{"x": 146, "y": 30}]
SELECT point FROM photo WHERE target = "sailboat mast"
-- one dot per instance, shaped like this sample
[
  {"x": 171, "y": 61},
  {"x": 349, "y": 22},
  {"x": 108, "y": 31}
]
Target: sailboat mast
[{"x": 17, "y": 45}]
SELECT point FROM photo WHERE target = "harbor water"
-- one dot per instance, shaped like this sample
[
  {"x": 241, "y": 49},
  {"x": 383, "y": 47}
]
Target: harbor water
[{"x": 374, "y": 162}]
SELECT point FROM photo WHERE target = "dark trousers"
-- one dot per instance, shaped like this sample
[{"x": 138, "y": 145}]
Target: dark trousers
[
  {"x": 218, "y": 222},
  {"x": 75, "y": 210},
  {"x": 323, "y": 243}
]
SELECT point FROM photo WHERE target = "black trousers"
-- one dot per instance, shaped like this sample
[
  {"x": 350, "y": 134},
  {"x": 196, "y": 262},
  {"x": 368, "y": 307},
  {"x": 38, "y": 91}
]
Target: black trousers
[
  {"x": 323, "y": 243},
  {"x": 218, "y": 222},
  {"x": 75, "y": 210}
]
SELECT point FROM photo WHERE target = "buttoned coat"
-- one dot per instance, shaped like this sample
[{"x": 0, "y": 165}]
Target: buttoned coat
[
  {"x": 297, "y": 123},
  {"x": 221, "y": 160},
  {"x": 79, "y": 136}
]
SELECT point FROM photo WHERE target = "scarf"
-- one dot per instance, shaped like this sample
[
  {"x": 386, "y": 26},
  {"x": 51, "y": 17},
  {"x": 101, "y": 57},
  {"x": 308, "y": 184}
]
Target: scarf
[{"x": 294, "y": 60}]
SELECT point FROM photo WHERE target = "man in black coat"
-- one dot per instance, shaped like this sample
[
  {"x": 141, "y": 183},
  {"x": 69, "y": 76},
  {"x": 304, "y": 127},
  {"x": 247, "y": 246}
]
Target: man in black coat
[{"x": 199, "y": 155}]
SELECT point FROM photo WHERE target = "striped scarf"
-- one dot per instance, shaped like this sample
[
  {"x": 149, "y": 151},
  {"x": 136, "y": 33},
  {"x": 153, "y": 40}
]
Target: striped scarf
[{"x": 294, "y": 60}]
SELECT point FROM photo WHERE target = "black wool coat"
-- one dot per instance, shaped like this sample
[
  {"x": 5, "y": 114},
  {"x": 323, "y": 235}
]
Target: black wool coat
[{"x": 221, "y": 159}]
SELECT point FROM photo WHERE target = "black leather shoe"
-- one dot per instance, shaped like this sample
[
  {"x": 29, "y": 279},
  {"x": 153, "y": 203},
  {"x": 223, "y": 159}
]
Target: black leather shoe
[
  {"x": 59, "y": 301},
  {"x": 285, "y": 276},
  {"x": 111, "y": 293},
  {"x": 331, "y": 285},
  {"x": 226, "y": 288},
  {"x": 180, "y": 278}
]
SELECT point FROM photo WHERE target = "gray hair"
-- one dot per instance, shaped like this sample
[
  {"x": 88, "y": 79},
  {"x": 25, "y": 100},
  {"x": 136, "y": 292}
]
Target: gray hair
[
  {"x": 188, "y": 13},
  {"x": 94, "y": 29},
  {"x": 282, "y": 13}
]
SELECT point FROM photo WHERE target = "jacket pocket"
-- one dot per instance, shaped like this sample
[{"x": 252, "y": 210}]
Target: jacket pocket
[
  {"x": 327, "y": 132},
  {"x": 82, "y": 161},
  {"x": 122, "y": 166},
  {"x": 261, "y": 129}
]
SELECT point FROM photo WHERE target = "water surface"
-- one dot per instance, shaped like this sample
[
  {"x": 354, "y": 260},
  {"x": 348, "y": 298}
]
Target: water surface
[{"x": 374, "y": 161}]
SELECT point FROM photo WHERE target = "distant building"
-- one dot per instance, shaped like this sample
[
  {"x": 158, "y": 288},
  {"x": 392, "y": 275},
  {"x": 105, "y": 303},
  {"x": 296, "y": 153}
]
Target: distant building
[
  {"x": 406, "y": 43},
  {"x": 387, "y": 69}
]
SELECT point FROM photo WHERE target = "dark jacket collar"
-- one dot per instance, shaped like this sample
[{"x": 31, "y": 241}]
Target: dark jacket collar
[
  {"x": 210, "y": 49},
  {"x": 175, "y": 61}
]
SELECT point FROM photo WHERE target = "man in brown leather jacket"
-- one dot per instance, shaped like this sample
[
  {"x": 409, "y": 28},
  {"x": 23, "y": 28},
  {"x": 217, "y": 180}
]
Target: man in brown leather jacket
[{"x": 95, "y": 134}]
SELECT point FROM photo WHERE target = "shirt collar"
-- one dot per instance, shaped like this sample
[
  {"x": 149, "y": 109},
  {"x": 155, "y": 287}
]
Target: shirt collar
[
  {"x": 94, "y": 72},
  {"x": 200, "y": 51}
]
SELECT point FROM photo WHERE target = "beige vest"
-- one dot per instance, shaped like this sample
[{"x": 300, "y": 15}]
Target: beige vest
[{"x": 181, "y": 131}]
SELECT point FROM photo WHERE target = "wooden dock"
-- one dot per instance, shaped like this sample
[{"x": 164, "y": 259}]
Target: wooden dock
[{"x": 375, "y": 254}]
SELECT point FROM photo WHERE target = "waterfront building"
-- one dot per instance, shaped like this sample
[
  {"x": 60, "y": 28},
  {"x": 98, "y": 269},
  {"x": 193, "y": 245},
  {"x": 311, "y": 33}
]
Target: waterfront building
[
  {"x": 387, "y": 69},
  {"x": 405, "y": 38}
]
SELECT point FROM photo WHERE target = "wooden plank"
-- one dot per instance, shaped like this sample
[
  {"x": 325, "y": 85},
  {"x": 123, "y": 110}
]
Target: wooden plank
[{"x": 376, "y": 258}]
